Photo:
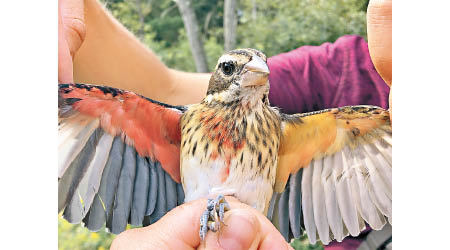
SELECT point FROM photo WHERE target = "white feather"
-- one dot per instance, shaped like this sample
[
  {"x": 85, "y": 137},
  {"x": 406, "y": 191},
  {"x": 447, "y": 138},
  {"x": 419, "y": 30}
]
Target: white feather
[
  {"x": 344, "y": 197},
  {"x": 88, "y": 187},
  {"x": 320, "y": 212},
  {"x": 333, "y": 213},
  {"x": 353, "y": 182},
  {"x": 384, "y": 149},
  {"x": 70, "y": 149},
  {"x": 366, "y": 208},
  {"x": 354, "y": 189},
  {"x": 91, "y": 181},
  {"x": 307, "y": 203},
  {"x": 387, "y": 138},
  {"x": 71, "y": 128},
  {"x": 382, "y": 166},
  {"x": 377, "y": 188}
]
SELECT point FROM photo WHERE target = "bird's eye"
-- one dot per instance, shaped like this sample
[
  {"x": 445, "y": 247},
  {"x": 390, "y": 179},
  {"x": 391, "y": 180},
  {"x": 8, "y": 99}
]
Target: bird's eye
[{"x": 227, "y": 68}]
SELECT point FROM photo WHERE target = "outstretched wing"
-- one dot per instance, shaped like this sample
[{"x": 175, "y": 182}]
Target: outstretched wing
[
  {"x": 340, "y": 167},
  {"x": 118, "y": 157}
]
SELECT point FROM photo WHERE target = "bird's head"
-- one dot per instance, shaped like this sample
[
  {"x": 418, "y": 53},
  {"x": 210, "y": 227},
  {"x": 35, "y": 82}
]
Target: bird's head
[{"x": 240, "y": 74}]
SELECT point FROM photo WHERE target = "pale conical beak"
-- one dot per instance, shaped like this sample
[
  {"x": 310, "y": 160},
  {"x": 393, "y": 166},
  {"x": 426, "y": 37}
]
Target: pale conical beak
[{"x": 256, "y": 72}]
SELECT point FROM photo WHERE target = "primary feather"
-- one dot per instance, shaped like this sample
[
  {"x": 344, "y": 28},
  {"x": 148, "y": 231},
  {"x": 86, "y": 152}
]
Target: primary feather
[{"x": 140, "y": 194}]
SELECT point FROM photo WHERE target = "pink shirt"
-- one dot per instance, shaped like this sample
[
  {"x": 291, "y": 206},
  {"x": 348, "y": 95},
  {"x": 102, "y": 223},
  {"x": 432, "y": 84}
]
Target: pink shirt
[{"x": 331, "y": 75}]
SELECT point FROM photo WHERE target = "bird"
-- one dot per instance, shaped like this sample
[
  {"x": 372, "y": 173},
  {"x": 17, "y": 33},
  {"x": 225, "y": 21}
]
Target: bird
[{"x": 127, "y": 159}]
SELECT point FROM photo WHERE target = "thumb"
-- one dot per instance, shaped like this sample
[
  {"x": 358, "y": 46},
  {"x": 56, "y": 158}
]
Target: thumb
[
  {"x": 178, "y": 229},
  {"x": 65, "y": 71},
  {"x": 379, "y": 36},
  {"x": 241, "y": 231},
  {"x": 245, "y": 228}
]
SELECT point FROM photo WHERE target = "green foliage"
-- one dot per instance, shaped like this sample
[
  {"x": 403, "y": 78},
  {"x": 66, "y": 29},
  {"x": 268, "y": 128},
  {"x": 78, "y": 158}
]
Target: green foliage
[
  {"x": 303, "y": 244},
  {"x": 77, "y": 237},
  {"x": 283, "y": 25},
  {"x": 274, "y": 27}
]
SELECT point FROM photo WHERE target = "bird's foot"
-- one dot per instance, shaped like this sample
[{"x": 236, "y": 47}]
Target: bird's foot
[{"x": 212, "y": 217}]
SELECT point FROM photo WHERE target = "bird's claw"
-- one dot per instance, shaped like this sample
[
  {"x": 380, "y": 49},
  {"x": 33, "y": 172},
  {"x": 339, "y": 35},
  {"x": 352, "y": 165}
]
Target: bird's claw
[{"x": 212, "y": 217}]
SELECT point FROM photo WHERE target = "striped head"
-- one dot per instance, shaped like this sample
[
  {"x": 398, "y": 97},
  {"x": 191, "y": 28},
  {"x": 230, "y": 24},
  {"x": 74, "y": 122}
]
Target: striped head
[{"x": 240, "y": 74}]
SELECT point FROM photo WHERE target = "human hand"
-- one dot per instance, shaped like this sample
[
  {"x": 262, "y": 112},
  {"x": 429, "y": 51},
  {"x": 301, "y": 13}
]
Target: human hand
[
  {"x": 379, "y": 34},
  {"x": 71, "y": 34},
  {"x": 246, "y": 228}
]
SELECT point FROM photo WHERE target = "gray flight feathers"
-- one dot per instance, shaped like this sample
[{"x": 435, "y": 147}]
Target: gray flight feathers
[
  {"x": 180, "y": 194},
  {"x": 89, "y": 184},
  {"x": 104, "y": 199},
  {"x": 161, "y": 206},
  {"x": 124, "y": 194},
  {"x": 107, "y": 182},
  {"x": 72, "y": 139},
  {"x": 171, "y": 192},
  {"x": 273, "y": 203},
  {"x": 294, "y": 203},
  {"x": 283, "y": 214},
  {"x": 282, "y": 209},
  {"x": 75, "y": 171},
  {"x": 153, "y": 189},
  {"x": 140, "y": 193},
  {"x": 337, "y": 194}
]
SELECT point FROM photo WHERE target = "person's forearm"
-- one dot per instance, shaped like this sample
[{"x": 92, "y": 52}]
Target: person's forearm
[
  {"x": 112, "y": 56},
  {"x": 188, "y": 87}
]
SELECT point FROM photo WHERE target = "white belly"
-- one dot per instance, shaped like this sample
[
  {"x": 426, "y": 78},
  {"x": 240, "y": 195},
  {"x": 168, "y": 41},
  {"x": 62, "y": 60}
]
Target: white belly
[{"x": 207, "y": 180}]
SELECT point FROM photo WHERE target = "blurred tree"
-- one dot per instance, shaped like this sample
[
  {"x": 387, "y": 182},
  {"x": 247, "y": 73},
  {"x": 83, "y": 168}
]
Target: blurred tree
[
  {"x": 283, "y": 25},
  {"x": 229, "y": 24},
  {"x": 195, "y": 40},
  {"x": 143, "y": 8}
]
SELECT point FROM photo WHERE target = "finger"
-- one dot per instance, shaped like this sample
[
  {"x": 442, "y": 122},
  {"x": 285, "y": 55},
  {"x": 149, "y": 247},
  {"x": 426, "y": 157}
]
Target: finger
[
  {"x": 242, "y": 231},
  {"x": 271, "y": 237},
  {"x": 178, "y": 229},
  {"x": 379, "y": 34},
  {"x": 246, "y": 229},
  {"x": 72, "y": 16},
  {"x": 65, "y": 67},
  {"x": 274, "y": 241}
]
